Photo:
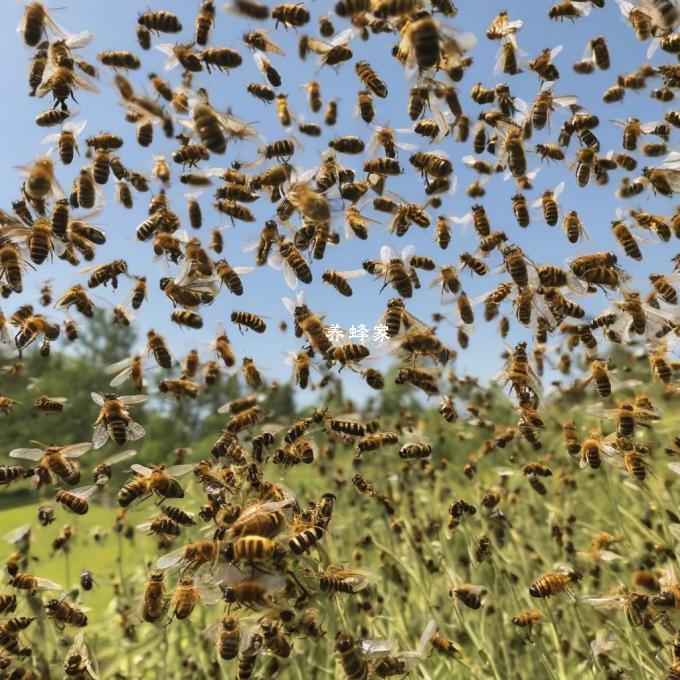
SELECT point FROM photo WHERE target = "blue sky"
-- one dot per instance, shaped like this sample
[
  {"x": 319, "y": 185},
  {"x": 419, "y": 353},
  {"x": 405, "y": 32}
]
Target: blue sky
[{"x": 113, "y": 25}]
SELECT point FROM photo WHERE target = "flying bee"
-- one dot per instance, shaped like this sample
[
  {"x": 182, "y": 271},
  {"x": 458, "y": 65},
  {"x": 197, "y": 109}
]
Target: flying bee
[
  {"x": 573, "y": 227},
  {"x": 545, "y": 103},
  {"x": 114, "y": 419},
  {"x": 370, "y": 79},
  {"x": 56, "y": 459},
  {"x": 65, "y": 614},
  {"x": 290, "y": 14},
  {"x": 543, "y": 65},
  {"x": 76, "y": 500},
  {"x": 549, "y": 205},
  {"x": 50, "y": 404},
  {"x": 334, "y": 580},
  {"x": 554, "y": 583},
  {"x": 259, "y": 40},
  {"x": 66, "y": 140}
]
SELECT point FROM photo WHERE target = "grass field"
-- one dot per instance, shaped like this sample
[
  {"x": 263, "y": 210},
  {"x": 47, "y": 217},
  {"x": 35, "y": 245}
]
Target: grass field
[{"x": 472, "y": 580}]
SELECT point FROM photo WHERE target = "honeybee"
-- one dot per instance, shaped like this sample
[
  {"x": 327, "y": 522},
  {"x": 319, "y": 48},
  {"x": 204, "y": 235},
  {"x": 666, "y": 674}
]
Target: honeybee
[
  {"x": 76, "y": 499},
  {"x": 114, "y": 419},
  {"x": 65, "y": 614},
  {"x": 56, "y": 459},
  {"x": 543, "y": 64},
  {"x": 77, "y": 661},
  {"x": 554, "y": 583},
  {"x": 549, "y": 205}
]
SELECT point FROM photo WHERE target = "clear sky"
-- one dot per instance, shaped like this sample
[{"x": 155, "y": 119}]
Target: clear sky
[{"x": 113, "y": 25}]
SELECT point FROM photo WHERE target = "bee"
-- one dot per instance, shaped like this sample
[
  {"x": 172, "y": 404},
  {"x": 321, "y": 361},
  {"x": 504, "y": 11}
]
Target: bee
[
  {"x": 543, "y": 65},
  {"x": 76, "y": 500},
  {"x": 65, "y": 614},
  {"x": 661, "y": 369},
  {"x": 434, "y": 164},
  {"x": 339, "y": 280},
  {"x": 249, "y": 320},
  {"x": 520, "y": 210},
  {"x": 664, "y": 288},
  {"x": 554, "y": 583},
  {"x": 527, "y": 618},
  {"x": 119, "y": 59},
  {"x": 208, "y": 127},
  {"x": 573, "y": 227},
  {"x": 282, "y": 110},
  {"x": 50, "y": 404},
  {"x": 474, "y": 264},
  {"x": 567, "y": 9},
  {"x": 40, "y": 181},
  {"x": 114, "y": 419},
  {"x": 334, "y": 580},
  {"x": 22, "y": 581},
  {"x": 545, "y": 103},
  {"x": 290, "y": 14},
  {"x": 330, "y": 116},
  {"x": 221, "y": 58},
  {"x": 350, "y": 657},
  {"x": 371, "y": 80},
  {"x": 228, "y": 638},
  {"x": 548, "y": 203},
  {"x": 160, "y": 22},
  {"x": 187, "y": 595},
  {"x": 663, "y": 179},
  {"x": 365, "y": 106},
  {"x": 470, "y": 595}
]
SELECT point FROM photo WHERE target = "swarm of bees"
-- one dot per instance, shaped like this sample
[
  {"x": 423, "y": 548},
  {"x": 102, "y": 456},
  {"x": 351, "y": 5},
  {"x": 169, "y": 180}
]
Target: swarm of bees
[{"x": 226, "y": 529}]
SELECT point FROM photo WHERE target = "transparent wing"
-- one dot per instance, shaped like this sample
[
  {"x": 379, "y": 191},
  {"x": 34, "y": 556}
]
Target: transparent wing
[
  {"x": 120, "y": 457},
  {"x": 17, "y": 534},
  {"x": 84, "y": 491},
  {"x": 170, "y": 559},
  {"x": 133, "y": 399},
  {"x": 27, "y": 454},
  {"x": 100, "y": 436},
  {"x": 76, "y": 450},
  {"x": 141, "y": 470},
  {"x": 121, "y": 377},
  {"x": 97, "y": 398}
]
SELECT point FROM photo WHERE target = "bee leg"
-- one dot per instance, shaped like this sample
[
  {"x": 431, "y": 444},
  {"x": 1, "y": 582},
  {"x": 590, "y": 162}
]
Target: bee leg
[{"x": 304, "y": 593}]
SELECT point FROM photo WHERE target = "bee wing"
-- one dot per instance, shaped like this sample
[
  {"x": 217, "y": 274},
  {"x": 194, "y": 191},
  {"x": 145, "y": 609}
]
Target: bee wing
[
  {"x": 243, "y": 270},
  {"x": 46, "y": 584},
  {"x": 455, "y": 41},
  {"x": 121, "y": 377},
  {"x": 84, "y": 491},
  {"x": 141, "y": 470},
  {"x": 427, "y": 635},
  {"x": 60, "y": 400},
  {"x": 170, "y": 559},
  {"x": 120, "y": 457},
  {"x": 100, "y": 436},
  {"x": 97, "y": 398},
  {"x": 209, "y": 594},
  {"x": 387, "y": 253},
  {"x": 51, "y": 139},
  {"x": 673, "y": 467},
  {"x": 131, "y": 399},
  {"x": 558, "y": 189},
  {"x": 343, "y": 37},
  {"x": 76, "y": 450},
  {"x": 16, "y": 535},
  {"x": 27, "y": 454},
  {"x": 353, "y": 274},
  {"x": 565, "y": 100},
  {"x": 602, "y": 602},
  {"x": 134, "y": 431},
  {"x": 145, "y": 526},
  {"x": 625, "y": 7},
  {"x": 179, "y": 470},
  {"x": 377, "y": 647},
  {"x": 289, "y": 275},
  {"x": 168, "y": 50}
]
